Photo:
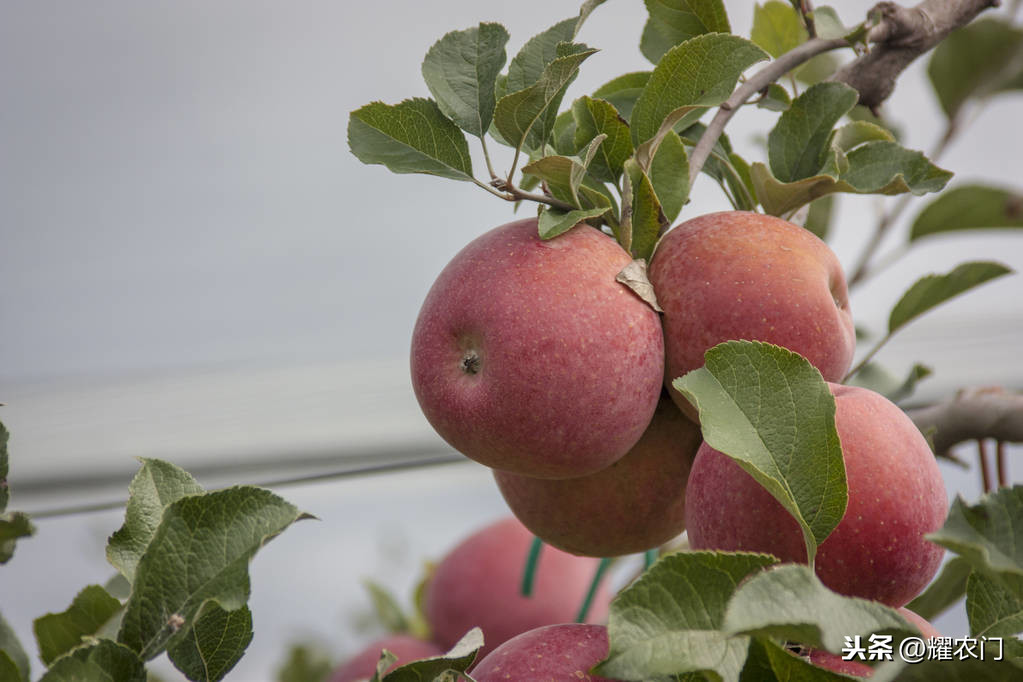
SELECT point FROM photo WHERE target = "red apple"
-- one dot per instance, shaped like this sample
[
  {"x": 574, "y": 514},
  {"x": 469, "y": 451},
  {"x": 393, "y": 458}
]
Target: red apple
[
  {"x": 528, "y": 356},
  {"x": 555, "y": 653},
  {"x": 633, "y": 505},
  {"x": 363, "y": 664},
  {"x": 740, "y": 275},
  {"x": 478, "y": 585},
  {"x": 896, "y": 496}
]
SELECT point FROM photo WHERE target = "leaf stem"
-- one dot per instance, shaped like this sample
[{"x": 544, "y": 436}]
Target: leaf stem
[
  {"x": 486, "y": 157},
  {"x": 509, "y": 192},
  {"x": 529, "y": 570},
  {"x": 1003, "y": 464},
  {"x": 760, "y": 80},
  {"x": 985, "y": 467},
  {"x": 866, "y": 358}
]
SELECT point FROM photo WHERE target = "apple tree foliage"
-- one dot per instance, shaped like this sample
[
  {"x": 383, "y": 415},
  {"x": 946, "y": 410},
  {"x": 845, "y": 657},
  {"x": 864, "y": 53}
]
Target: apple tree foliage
[{"x": 623, "y": 158}]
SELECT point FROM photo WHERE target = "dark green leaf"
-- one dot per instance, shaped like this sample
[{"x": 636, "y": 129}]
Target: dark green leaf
[
  {"x": 669, "y": 620},
  {"x": 528, "y": 65},
  {"x": 799, "y": 144},
  {"x": 776, "y": 98},
  {"x": 461, "y": 71},
  {"x": 933, "y": 290},
  {"x": 818, "y": 219},
  {"x": 975, "y": 61},
  {"x": 564, "y": 136},
  {"x": 994, "y": 608},
  {"x": 103, "y": 661},
  {"x": 564, "y": 174},
  {"x": 200, "y": 552},
  {"x": 989, "y": 534},
  {"x": 777, "y": 27},
  {"x": 531, "y": 112},
  {"x": 458, "y": 659},
  {"x": 58, "y": 633},
  {"x": 411, "y": 137},
  {"x": 156, "y": 485},
  {"x": 702, "y": 72},
  {"x": 770, "y": 410},
  {"x": 214, "y": 645},
  {"x": 13, "y": 526},
  {"x": 16, "y": 659},
  {"x": 945, "y": 591},
  {"x": 672, "y": 22},
  {"x": 553, "y": 222},
  {"x": 595, "y": 117},
  {"x": 669, "y": 175},
  {"x": 622, "y": 92},
  {"x": 789, "y": 602},
  {"x": 643, "y": 220},
  {"x": 304, "y": 664},
  {"x": 770, "y": 662},
  {"x": 971, "y": 207}
]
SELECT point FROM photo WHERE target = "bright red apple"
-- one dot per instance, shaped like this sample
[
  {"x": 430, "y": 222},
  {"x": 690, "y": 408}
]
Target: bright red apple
[
  {"x": 740, "y": 275},
  {"x": 528, "y": 356},
  {"x": 478, "y": 584},
  {"x": 555, "y": 653},
  {"x": 362, "y": 665},
  {"x": 635, "y": 504},
  {"x": 896, "y": 496}
]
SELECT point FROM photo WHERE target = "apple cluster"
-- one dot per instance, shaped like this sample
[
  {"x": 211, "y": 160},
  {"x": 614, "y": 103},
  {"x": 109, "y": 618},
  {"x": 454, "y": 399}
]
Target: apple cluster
[{"x": 530, "y": 357}]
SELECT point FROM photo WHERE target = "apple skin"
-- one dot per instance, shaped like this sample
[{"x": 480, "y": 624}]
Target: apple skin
[
  {"x": 635, "y": 504},
  {"x": 741, "y": 275},
  {"x": 555, "y": 653},
  {"x": 528, "y": 356},
  {"x": 363, "y": 664},
  {"x": 926, "y": 628},
  {"x": 896, "y": 496},
  {"x": 478, "y": 584}
]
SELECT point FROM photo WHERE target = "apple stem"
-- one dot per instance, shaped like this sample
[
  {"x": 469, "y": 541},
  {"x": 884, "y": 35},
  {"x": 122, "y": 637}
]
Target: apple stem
[
  {"x": 529, "y": 572},
  {"x": 584, "y": 610}
]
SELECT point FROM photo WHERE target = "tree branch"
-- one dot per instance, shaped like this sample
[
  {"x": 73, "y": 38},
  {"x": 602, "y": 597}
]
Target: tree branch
[
  {"x": 974, "y": 414},
  {"x": 901, "y": 35}
]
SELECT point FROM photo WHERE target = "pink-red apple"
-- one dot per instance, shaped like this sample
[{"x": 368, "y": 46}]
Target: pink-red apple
[
  {"x": 478, "y": 584},
  {"x": 555, "y": 653},
  {"x": 896, "y": 496},
  {"x": 362, "y": 665},
  {"x": 740, "y": 275},
  {"x": 528, "y": 356},
  {"x": 633, "y": 505}
]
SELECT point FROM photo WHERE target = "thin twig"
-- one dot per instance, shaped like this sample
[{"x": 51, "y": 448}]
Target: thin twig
[
  {"x": 760, "y": 80},
  {"x": 806, "y": 12},
  {"x": 1003, "y": 464},
  {"x": 985, "y": 467},
  {"x": 509, "y": 192}
]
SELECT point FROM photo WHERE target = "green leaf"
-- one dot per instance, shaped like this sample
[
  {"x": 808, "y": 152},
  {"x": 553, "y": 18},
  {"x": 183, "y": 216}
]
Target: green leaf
[
  {"x": 200, "y": 552},
  {"x": 829, "y": 26},
  {"x": 669, "y": 620},
  {"x": 799, "y": 144},
  {"x": 876, "y": 378},
  {"x": 776, "y": 98},
  {"x": 669, "y": 175},
  {"x": 461, "y": 72},
  {"x": 553, "y": 222},
  {"x": 104, "y": 661},
  {"x": 595, "y": 117},
  {"x": 13, "y": 526},
  {"x": 155, "y": 486},
  {"x": 853, "y": 134},
  {"x": 994, "y": 610},
  {"x": 389, "y": 613},
  {"x": 701, "y": 72},
  {"x": 878, "y": 167},
  {"x": 5, "y": 493},
  {"x": 643, "y": 220},
  {"x": 564, "y": 174},
  {"x": 974, "y": 62},
  {"x": 58, "y": 633},
  {"x": 671, "y": 22},
  {"x": 789, "y": 602},
  {"x": 770, "y": 662},
  {"x": 214, "y": 645},
  {"x": 518, "y": 113},
  {"x": 411, "y": 137},
  {"x": 971, "y": 207},
  {"x": 623, "y": 91},
  {"x": 563, "y": 137},
  {"x": 458, "y": 659},
  {"x": 933, "y": 290},
  {"x": 989, "y": 534},
  {"x": 770, "y": 410},
  {"x": 304, "y": 664},
  {"x": 777, "y": 27},
  {"x": 14, "y": 663},
  {"x": 945, "y": 591},
  {"x": 818, "y": 219},
  {"x": 527, "y": 67}
]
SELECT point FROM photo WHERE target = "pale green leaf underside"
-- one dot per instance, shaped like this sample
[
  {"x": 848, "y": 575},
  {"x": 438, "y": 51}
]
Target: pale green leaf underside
[
  {"x": 971, "y": 207},
  {"x": 644, "y": 219},
  {"x": 994, "y": 608},
  {"x": 933, "y": 290},
  {"x": 413, "y": 136},
  {"x": 459, "y": 658},
  {"x": 553, "y": 222},
  {"x": 771, "y": 411},
  {"x": 944, "y": 591},
  {"x": 988, "y": 534}
]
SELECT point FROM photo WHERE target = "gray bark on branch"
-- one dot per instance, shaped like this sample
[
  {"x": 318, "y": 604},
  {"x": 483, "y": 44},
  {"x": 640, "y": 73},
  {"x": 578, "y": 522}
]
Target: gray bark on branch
[
  {"x": 902, "y": 35},
  {"x": 974, "y": 414}
]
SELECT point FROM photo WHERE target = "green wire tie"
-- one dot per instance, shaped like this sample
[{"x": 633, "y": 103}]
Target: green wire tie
[
  {"x": 584, "y": 610},
  {"x": 529, "y": 572}
]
